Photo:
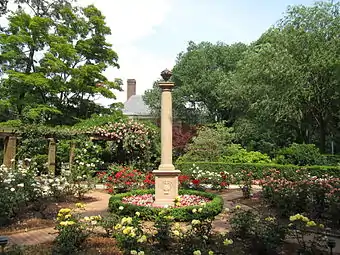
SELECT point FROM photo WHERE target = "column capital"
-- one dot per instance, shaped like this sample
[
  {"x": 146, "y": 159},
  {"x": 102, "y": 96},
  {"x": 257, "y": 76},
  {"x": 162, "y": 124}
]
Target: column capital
[{"x": 166, "y": 85}]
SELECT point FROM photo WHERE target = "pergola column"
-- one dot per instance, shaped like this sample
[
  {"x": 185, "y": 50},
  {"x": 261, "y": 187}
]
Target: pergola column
[
  {"x": 10, "y": 151},
  {"x": 72, "y": 154},
  {"x": 52, "y": 147},
  {"x": 166, "y": 177}
]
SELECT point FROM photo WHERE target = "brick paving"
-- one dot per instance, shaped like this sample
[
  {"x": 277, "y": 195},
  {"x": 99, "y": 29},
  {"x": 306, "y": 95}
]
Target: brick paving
[{"x": 98, "y": 207}]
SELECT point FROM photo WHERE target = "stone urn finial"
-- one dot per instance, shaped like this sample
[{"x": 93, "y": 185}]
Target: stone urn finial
[{"x": 166, "y": 75}]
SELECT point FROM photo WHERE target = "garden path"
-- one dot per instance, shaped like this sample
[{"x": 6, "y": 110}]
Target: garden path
[{"x": 97, "y": 207}]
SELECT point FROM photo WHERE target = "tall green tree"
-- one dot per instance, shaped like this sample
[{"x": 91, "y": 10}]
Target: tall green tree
[
  {"x": 289, "y": 79},
  {"x": 198, "y": 74},
  {"x": 53, "y": 64}
]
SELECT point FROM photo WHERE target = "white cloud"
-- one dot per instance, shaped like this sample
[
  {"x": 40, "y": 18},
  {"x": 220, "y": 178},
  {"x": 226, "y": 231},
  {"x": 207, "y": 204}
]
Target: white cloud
[{"x": 130, "y": 21}]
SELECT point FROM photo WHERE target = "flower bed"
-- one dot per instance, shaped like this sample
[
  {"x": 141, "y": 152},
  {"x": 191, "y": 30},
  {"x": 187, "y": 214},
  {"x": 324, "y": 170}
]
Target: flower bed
[
  {"x": 211, "y": 203},
  {"x": 148, "y": 200}
]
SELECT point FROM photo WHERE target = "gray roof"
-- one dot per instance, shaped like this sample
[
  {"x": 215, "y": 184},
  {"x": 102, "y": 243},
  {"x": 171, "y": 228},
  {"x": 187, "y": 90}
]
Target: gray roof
[{"x": 136, "y": 106}]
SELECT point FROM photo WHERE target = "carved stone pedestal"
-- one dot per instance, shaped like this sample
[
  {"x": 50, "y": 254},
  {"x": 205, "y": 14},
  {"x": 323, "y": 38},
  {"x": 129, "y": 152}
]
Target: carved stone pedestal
[{"x": 166, "y": 187}]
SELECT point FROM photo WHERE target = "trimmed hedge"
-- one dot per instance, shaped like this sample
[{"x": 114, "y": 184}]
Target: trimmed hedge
[
  {"x": 210, "y": 210},
  {"x": 257, "y": 168}
]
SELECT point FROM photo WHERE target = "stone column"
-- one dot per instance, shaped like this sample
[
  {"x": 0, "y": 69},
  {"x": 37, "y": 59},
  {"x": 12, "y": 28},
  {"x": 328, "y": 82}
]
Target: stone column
[
  {"x": 166, "y": 177},
  {"x": 10, "y": 151},
  {"x": 52, "y": 146}
]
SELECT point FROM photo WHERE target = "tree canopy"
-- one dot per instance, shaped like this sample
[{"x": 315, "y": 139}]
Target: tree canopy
[
  {"x": 280, "y": 89},
  {"x": 52, "y": 63}
]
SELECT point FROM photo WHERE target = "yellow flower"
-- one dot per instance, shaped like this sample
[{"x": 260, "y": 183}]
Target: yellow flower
[
  {"x": 137, "y": 214},
  {"x": 200, "y": 210},
  {"x": 176, "y": 232},
  {"x": 210, "y": 253},
  {"x": 194, "y": 210},
  {"x": 321, "y": 225},
  {"x": 87, "y": 218},
  {"x": 237, "y": 207},
  {"x": 118, "y": 226},
  {"x": 311, "y": 224},
  {"x": 195, "y": 222},
  {"x": 63, "y": 223},
  {"x": 177, "y": 203},
  {"x": 177, "y": 225},
  {"x": 126, "y": 220},
  {"x": 270, "y": 219},
  {"x": 305, "y": 219},
  {"x": 168, "y": 217},
  {"x": 228, "y": 242},
  {"x": 292, "y": 218},
  {"x": 142, "y": 239},
  {"x": 132, "y": 234},
  {"x": 70, "y": 222},
  {"x": 197, "y": 252},
  {"x": 64, "y": 210},
  {"x": 67, "y": 216},
  {"x": 133, "y": 252},
  {"x": 127, "y": 230},
  {"x": 141, "y": 253},
  {"x": 80, "y": 205}
]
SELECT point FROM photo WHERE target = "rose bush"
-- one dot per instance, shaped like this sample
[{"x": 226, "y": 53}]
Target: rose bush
[
  {"x": 131, "y": 142},
  {"x": 318, "y": 197}
]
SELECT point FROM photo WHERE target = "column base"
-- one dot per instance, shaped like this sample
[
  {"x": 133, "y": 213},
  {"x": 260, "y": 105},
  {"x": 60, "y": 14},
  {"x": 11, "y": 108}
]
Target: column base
[{"x": 166, "y": 187}]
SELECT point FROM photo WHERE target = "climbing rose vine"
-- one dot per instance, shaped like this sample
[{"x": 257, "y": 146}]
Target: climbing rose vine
[{"x": 131, "y": 142}]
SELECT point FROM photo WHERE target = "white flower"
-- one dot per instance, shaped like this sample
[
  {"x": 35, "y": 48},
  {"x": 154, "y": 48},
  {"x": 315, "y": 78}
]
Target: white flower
[
  {"x": 21, "y": 185},
  {"x": 121, "y": 208},
  {"x": 12, "y": 189}
]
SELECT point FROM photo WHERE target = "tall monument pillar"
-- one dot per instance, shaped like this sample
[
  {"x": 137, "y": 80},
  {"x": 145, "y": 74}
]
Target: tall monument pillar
[{"x": 166, "y": 177}]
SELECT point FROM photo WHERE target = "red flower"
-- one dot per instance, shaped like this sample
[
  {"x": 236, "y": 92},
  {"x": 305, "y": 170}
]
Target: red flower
[{"x": 196, "y": 182}]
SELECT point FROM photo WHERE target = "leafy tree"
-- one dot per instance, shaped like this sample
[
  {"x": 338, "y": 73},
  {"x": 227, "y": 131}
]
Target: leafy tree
[
  {"x": 198, "y": 74},
  {"x": 53, "y": 64},
  {"x": 39, "y": 7},
  {"x": 288, "y": 79}
]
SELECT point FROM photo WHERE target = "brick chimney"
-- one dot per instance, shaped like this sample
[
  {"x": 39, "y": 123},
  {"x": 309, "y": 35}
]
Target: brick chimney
[{"x": 131, "y": 88}]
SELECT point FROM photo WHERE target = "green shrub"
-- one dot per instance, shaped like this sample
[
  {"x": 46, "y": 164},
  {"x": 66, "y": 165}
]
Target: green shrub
[
  {"x": 209, "y": 144},
  {"x": 236, "y": 154},
  {"x": 265, "y": 234},
  {"x": 257, "y": 169},
  {"x": 212, "y": 208},
  {"x": 300, "y": 154}
]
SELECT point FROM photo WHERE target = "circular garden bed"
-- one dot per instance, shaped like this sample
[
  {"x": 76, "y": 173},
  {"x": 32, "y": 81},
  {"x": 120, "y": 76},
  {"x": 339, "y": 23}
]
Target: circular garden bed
[{"x": 191, "y": 205}]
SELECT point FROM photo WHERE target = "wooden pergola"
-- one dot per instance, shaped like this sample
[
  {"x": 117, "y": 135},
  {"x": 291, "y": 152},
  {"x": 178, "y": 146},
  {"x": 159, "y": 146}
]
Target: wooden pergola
[{"x": 12, "y": 135}]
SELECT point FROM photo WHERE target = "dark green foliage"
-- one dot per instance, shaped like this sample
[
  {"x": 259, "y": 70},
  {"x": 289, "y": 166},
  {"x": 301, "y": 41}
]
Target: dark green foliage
[
  {"x": 257, "y": 169},
  {"x": 209, "y": 144},
  {"x": 211, "y": 209},
  {"x": 300, "y": 154}
]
